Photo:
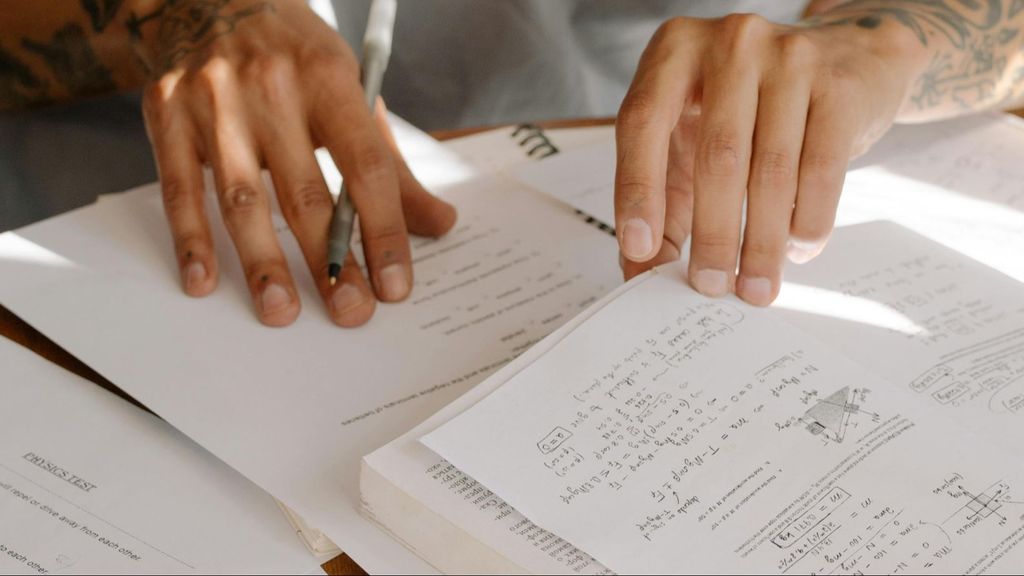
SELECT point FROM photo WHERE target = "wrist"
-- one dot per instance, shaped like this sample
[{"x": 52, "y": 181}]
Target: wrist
[{"x": 901, "y": 55}]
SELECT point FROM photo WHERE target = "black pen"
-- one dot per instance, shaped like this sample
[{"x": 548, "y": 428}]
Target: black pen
[{"x": 380, "y": 28}]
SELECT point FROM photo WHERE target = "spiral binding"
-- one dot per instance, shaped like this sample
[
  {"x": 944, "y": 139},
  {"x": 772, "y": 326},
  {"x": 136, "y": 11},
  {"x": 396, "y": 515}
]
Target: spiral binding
[
  {"x": 541, "y": 147},
  {"x": 533, "y": 136}
]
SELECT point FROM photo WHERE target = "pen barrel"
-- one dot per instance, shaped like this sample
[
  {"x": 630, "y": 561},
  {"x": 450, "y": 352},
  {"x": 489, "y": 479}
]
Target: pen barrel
[
  {"x": 342, "y": 223},
  {"x": 372, "y": 76}
]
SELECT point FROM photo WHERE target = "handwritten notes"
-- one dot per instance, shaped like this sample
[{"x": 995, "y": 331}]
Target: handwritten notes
[{"x": 671, "y": 432}]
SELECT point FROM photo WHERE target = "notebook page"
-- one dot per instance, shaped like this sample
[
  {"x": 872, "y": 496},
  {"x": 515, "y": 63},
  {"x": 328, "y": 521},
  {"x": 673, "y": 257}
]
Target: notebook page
[
  {"x": 466, "y": 503},
  {"x": 674, "y": 433}
]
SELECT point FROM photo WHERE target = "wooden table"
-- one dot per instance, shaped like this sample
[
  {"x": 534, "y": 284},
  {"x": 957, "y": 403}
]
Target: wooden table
[{"x": 14, "y": 328}]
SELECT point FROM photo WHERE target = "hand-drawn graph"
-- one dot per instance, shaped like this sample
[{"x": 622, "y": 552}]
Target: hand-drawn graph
[
  {"x": 830, "y": 417},
  {"x": 981, "y": 505}
]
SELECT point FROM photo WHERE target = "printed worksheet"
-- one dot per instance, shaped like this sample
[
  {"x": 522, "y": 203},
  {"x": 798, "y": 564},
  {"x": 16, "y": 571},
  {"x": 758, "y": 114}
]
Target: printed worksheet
[
  {"x": 295, "y": 409},
  {"x": 92, "y": 484},
  {"x": 669, "y": 432}
]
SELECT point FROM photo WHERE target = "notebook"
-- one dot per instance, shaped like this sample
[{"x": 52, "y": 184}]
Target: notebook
[
  {"x": 953, "y": 182},
  {"x": 664, "y": 432}
]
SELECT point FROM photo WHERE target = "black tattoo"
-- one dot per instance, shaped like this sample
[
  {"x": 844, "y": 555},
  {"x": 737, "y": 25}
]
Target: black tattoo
[
  {"x": 18, "y": 85},
  {"x": 1015, "y": 8},
  {"x": 981, "y": 33},
  {"x": 923, "y": 17},
  {"x": 968, "y": 78},
  {"x": 187, "y": 26},
  {"x": 869, "y": 22},
  {"x": 73, "y": 61},
  {"x": 101, "y": 12}
]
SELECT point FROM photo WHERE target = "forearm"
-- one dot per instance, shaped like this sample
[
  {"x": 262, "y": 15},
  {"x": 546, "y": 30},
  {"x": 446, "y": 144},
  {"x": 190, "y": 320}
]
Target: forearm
[
  {"x": 64, "y": 49},
  {"x": 974, "y": 55}
]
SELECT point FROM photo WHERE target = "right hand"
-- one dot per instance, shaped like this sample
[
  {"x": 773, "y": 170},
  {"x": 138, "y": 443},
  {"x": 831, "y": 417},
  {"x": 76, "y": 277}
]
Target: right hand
[{"x": 245, "y": 84}]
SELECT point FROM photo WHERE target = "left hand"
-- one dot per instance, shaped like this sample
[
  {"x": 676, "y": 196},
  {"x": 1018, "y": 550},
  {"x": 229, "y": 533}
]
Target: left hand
[{"x": 722, "y": 111}]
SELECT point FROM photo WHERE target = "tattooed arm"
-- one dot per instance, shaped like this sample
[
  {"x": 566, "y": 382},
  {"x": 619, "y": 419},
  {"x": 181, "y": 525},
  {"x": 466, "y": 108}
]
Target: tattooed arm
[
  {"x": 63, "y": 49},
  {"x": 238, "y": 85},
  {"x": 975, "y": 50}
]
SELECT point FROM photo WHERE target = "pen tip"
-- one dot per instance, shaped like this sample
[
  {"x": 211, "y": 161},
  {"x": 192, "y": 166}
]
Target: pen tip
[
  {"x": 333, "y": 271},
  {"x": 334, "y": 280}
]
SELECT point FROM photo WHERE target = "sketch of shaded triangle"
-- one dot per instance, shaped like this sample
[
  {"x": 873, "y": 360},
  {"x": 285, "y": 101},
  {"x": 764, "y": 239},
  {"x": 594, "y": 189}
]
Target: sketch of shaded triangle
[{"x": 830, "y": 413}]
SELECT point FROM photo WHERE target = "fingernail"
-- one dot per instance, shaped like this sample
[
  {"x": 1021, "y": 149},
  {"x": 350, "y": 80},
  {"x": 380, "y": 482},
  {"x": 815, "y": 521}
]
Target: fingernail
[
  {"x": 637, "y": 239},
  {"x": 195, "y": 274},
  {"x": 802, "y": 251},
  {"x": 622, "y": 261},
  {"x": 757, "y": 291},
  {"x": 394, "y": 282},
  {"x": 346, "y": 298},
  {"x": 275, "y": 298},
  {"x": 713, "y": 283}
]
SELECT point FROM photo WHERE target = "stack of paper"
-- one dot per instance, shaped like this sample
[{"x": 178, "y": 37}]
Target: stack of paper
[
  {"x": 657, "y": 431},
  {"x": 296, "y": 409},
  {"x": 89, "y": 483}
]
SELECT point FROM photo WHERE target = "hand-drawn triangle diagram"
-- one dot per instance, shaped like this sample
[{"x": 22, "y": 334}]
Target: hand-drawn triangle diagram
[{"x": 830, "y": 416}]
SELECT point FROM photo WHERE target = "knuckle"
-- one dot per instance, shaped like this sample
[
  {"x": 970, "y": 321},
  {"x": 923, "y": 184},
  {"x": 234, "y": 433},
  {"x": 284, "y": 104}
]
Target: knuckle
[
  {"x": 637, "y": 112},
  {"x": 720, "y": 152},
  {"x": 796, "y": 49},
  {"x": 774, "y": 166},
  {"x": 156, "y": 98},
  {"x": 390, "y": 238},
  {"x": 373, "y": 167},
  {"x": 272, "y": 75},
  {"x": 823, "y": 168},
  {"x": 634, "y": 193},
  {"x": 179, "y": 197},
  {"x": 241, "y": 199},
  {"x": 308, "y": 198},
  {"x": 763, "y": 249},
  {"x": 261, "y": 66},
  {"x": 210, "y": 79},
  {"x": 740, "y": 30},
  {"x": 715, "y": 242},
  {"x": 671, "y": 28}
]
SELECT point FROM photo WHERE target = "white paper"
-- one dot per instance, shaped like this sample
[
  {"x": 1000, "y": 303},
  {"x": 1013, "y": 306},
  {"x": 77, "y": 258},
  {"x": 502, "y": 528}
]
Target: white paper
[
  {"x": 960, "y": 183},
  {"x": 498, "y": 151},
  {"x": 467, "y": 504},
  {"x": 583, "y": 178},
  {"x": 674, "y": 433},
  {"x": 295, "y": 409},
  {"x": 941, "y": 326},
  {"x": 91, "y": 484}
]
